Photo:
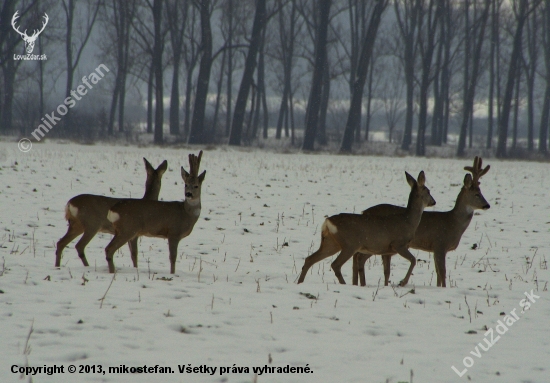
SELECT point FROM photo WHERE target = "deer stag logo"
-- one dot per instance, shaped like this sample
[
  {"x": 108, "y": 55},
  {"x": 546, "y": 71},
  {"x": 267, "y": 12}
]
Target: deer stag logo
[{"x": 29, "y": 40}]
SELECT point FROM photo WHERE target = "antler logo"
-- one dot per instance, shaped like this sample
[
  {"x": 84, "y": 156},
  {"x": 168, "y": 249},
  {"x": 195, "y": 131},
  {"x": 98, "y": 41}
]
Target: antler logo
[{"x": 29, "y": 40}]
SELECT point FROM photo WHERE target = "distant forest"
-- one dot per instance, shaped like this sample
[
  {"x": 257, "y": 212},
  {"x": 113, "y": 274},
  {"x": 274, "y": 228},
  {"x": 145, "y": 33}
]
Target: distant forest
[{"x": 313, "y": 74}]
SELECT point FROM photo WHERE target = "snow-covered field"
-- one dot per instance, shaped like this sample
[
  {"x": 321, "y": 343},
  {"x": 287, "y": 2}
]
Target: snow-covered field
[{"x": 234, "y": 303}]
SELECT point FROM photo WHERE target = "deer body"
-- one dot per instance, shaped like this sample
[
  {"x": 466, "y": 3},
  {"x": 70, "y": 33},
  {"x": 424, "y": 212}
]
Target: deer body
[
  {"x": 373, "y": 234},
  {"x": 170, "y": 220},
  {"x": 159, "y": 220},
  {"x": 87, "y": 215},
  {"x": 437, "y": 232}
]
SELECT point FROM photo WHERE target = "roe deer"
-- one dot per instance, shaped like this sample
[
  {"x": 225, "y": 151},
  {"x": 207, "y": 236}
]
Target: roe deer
[
  {"x": 87, "y": 213},
  {"x": 438, "y": 232},
  {"x": 392, "y": 233},
  {"x": 170, "y": 220}
]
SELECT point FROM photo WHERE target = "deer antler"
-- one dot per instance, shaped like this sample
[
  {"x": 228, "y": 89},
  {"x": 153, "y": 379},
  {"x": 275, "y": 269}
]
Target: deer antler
[
  {"x": 476, "y": 170},
  {"x": 15, "y": 17},
  {"x": 194, "y": 163}
]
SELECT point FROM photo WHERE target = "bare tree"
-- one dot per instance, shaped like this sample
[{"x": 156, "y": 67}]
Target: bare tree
[
  {"x": 407, "y": 13},
  {"x": 545, "y": 114},
  {"x": 475, "y": 38},
  {"x": 158, "y": 48},
  {"x": 116, "y": 20},
  {"x": 314, "y": 100},
  {"x": 426, "y": 44},
  {"x": 289, "y": 28},
  {"x": 495, "y": 15},
  {"x": 392, "y": 97},
  {"x": 353, "y": 121},
  {"x": 520, "y": 16},
  {"x": 530, "y": 68},
  {"x": 248, "y": 73},
  {"x": 75, "y": 44},
  {"x": 176, "y": 16},
  {"x": 197, "y": 133}
]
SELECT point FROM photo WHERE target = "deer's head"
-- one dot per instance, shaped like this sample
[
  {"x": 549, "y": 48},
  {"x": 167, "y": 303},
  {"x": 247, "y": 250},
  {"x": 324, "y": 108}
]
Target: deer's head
[{"x": 29, "y": 40}]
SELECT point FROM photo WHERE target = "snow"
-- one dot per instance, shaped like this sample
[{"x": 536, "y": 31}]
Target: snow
[{"x": 233, "y": 301}]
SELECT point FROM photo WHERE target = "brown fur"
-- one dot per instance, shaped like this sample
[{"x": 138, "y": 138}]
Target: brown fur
[
  {"x": 438, "y": 232},
  {"x": 372, "y": 235},
  {"x": 92, "y": 215}
]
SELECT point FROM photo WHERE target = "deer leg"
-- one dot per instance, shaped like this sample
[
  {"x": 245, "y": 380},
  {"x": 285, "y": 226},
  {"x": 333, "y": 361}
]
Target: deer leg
[
  {"x": 342, "y": 258},
  {"x": 405, "y": 253},
  {"x": 115, "y": 244},
  {"x": 73, "y": 231},
  {"x": 133, "y": 246},
  {"x": 173, "y": 249},
  {"x": 89, "y": 233},
  {"x": 386, "y": 261},
  {"x": 328, "y": 247},
  {"x": 440, "y": 269},
  {"x": 355, "y": 269},
  {"x": 360, "y": 270}
]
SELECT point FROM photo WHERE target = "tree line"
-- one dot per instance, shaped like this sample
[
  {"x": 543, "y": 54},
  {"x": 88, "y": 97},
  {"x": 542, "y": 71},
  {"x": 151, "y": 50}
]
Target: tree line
[{"x": 427, "y": 72}]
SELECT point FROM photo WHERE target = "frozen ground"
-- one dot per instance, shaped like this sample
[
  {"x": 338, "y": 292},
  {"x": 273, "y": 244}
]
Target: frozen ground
[{"x": 233, "y": 301}]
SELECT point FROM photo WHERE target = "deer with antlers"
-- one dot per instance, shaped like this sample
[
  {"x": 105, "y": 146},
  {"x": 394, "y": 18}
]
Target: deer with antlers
[
  {"x": 372, "y": 234},
  {"x": 170, "y": 220},
  {"x": 438, "y": 232},
  {"x": 87, "y": 215},
  {"x": 29, "y": 40}
]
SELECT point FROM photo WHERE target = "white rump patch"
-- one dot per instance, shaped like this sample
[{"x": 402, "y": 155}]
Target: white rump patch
[
  {"x": 71, "y": 210},
  {"x": 331, "y": 227},
  {"x": 112, "y": 216}
]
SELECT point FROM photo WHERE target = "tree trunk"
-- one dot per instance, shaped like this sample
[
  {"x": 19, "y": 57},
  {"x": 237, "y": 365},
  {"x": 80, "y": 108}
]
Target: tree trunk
[
  {"x": 490, "y": 111},
  {"x": 369, "y": 102},
  {"x": 8, "y": 71},
  {"x": 407, "y": 27},
  {"x": 248, "y": 73},
  {"x": 545, "y": 109},
  {"x": 325, "y": 97},
  {"x": 218, "y": 96},
  {"x": 362, "y": 70},
  {"x": 438, "y": 102},
  {"x": 150, "y": 91},
  {"x": 175, "y": 98},
  {"x": 197, "y": 136},
  {"x": 229, "y": 90},
  {"x": 516, "y": 111},
  {"x": 427, "y": 57},
  {"x": 314, "y": 99},
  {"x": 512, "y": 73},
  {"x": 470, "y": 85},
  {"x": 114, "y": 103},
  {"x": 157, "y": 60}
]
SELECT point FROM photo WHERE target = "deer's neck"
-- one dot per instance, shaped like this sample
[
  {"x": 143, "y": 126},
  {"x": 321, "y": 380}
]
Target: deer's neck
[
  {"x": 414, "y": 210},
  {"x": 462, "y": 210},
  {"x": 151, "y": 194},
  {"x": 193, "y": 208}
]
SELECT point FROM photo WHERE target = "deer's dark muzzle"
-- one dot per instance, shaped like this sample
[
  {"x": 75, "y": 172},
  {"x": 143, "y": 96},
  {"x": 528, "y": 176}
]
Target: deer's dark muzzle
[
  {"x": 486, "y": 207},
  {"x": 188, "y": 195}
]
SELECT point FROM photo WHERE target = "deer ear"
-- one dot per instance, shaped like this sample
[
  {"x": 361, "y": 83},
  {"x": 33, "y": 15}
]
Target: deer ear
[
  {"x": 410, "y": 180},
  {"x": 148, "y": 168},
  {"x": 162, "y": 167},
  {"x": 202, "y": 175},
  {"x": 468, "y": 181},
  {"x": 421, "y": 178},
  {"x": 184, "y": 174}
]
